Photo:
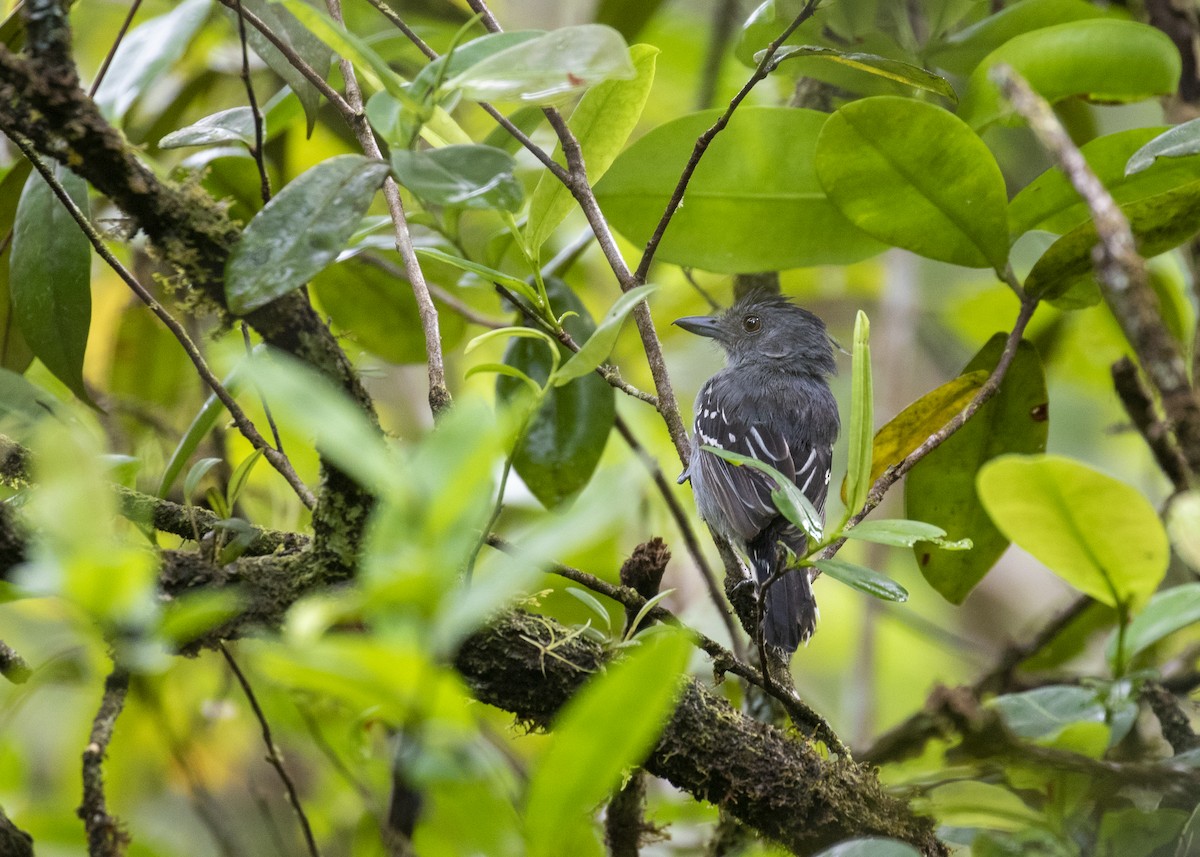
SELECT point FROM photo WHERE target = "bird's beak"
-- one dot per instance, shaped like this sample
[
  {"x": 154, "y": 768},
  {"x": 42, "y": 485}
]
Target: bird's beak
[{"x": 701, "y": 325}]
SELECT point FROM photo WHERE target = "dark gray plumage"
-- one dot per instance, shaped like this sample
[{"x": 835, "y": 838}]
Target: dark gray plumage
[{"x": 771, "y": 402}]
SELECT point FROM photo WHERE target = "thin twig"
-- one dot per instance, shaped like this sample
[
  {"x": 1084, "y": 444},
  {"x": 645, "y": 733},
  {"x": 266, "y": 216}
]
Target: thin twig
[
  {"x": 273, "y": 757},
  {"x": 277, "y": 459},
  {"x": 255, "y": 113},
  {"x": 105, "y": 836},
  {"x": 439, "y": 394},
  {"x": 112, "y": 51},
  {"x": 459, "y": 306}
]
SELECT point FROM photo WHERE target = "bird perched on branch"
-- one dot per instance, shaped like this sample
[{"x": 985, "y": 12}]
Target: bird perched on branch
[{"x": 771, "y": 402}]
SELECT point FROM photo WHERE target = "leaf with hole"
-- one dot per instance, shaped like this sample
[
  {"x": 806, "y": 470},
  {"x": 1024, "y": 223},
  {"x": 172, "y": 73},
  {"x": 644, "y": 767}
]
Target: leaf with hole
[{"x": 300, "y": 231}]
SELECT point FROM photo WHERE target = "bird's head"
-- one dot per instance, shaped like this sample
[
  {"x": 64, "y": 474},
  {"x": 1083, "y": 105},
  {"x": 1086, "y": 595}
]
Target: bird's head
[{"x": 765, "y": 327}]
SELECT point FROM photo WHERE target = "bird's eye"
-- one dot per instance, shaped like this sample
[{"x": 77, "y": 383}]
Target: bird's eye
[{"x": 752, "y": 324}]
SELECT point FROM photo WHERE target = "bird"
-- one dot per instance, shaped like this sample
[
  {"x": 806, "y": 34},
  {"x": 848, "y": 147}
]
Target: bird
[{"x": 771, "y": 402}]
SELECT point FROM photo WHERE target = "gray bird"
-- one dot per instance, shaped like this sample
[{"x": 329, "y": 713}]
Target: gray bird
[{"x": 771, "y": 402}]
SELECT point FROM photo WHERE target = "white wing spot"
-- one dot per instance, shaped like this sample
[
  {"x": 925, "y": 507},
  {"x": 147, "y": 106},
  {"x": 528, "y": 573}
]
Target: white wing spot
[
  {"x": 828, "y": 474},
  {"x": 732, "y": 437}
]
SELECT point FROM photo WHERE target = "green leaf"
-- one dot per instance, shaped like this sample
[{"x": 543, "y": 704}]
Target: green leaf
[
  {"x": 863, "y": 579},
  {"x": 1043, "y": 713},
  {"x": 601, "y": 122},
  {"x": 964, "y": 50},
  {"x": 466, "y": 176},
  {"x": 1167, "y": 612},
  {"x": 871, "y": 846},
  {"x": 590, "y": 748},
  {"x": 915, "y": 176},
  {"x": 629, "y": 17},
  {"x": 1096, "y": 533},
  {"x": 378, "y": 311},
  {"x": 189, "y": 615},
  {"x": 14, "y": 352},
  {"x": 289, "y": 30},
  {"x": 145, "y": 54},
  {"x": 913, "y": 426},
  {"x": 753, "y": 204},
  {"x": 862, "y": 418},
  {"x": 1051, "y": 203},
  {"x": 1179, "y": 142},
  {"x": 1159, "y": 223},
  {"x": 50, "y": 272},
  {"x": 900, "y": 72},
  {"x": 1183, "y": 526},
  {"x": 971, "y": 803},
  {"x": 903, "y": 533},
  {"x": 300, "y": 231},
  {"x": 566, "y": 435},
  {"x": 490, "y": 275},
  {"x": 787, "y": 496},
  {"x": 450, "y": 65},
  {"x": 204, "y": 422},
  {"x": 195, "y": 474},
  {"x": 235, "y": 125},
  {"x": 21, "y": 403},
  {"x": 600, "y": 344},
  {"x": 1099, "y": 59},
  {"x": 940, "y": 489},
  {"x": 546, "y": 69},
  {"x": 1132, "y": 832}
]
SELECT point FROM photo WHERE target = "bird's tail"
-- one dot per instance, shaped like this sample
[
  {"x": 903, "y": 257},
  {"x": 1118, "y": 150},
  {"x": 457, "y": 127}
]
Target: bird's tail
[{"x": 789, "y": 608}]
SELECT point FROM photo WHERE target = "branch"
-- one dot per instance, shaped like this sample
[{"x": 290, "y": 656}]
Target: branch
[
  {"x": 1120, "y": 271},
  {"x": 105, "y": 836},
  {"x": 783, "y": 788},
  {"x": 1145, "y": 417}
]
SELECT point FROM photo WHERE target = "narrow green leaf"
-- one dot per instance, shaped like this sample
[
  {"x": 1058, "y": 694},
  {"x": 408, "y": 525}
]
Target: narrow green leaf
[
  {"x": 50, "y": 272},
  {"x": 600, "y": 344},
  {"x": 546, "y": 69},
  {"x": 916, "y": 176},
  {"x": 300, "y": 231},
  {"x": 1096, "y": 533},
  {"x": 642, "y": 613},
  {"x": 753, "y": 204},
  {"x": 862, "y": 418},
  {"x": 509, "y": 371},
  {"x": 1179, "y": 142},
  {"x": 567, "y": 434},
  {"x": 602, "y": 121},
  {"x": 197, "y": 472},
  {"x": 235, "y": 125},
  {"x": 590, "y": 748},
  {"x": 940, "y": 489},
  {"x": 241, "y": 475},
  {"x": 513, "y": 333},
  {"x": 490, "y": 275},
  {"x": 1159, "y": 223},
  {"x": 466, "y": 176},
  {"x": 1099, "y": 59},
  {"x": 592, "y": 603},
  {"x": 288, "y": 29},
  {"x": 863, "y": 579},
  {"x": 900, "y": 72},
  {"x": 14, "y": 352},
  {"x": 145, "y": 54},
  {"x": 903, "y": 533},
  {"x": 204, "y": 422},
  {"x": 1166, "y": 612},
  {"x": 787, "y": 496}
]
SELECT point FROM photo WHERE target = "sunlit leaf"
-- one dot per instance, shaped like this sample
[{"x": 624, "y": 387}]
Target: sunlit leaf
[
  {"x": 903, "y": 533},
  {"x": 863, "y": 579},
  {"x": 1167, "y": 612},
  {"x": 599, "y": 345},
  {"x": 300, "y": 231},
  {"x": 862, "y": 418},
  {"x": 235, "y": 125}
]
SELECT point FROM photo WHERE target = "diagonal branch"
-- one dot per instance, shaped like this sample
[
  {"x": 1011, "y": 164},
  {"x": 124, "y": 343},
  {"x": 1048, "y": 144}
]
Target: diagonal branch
[{"x": 105, "y": 836}]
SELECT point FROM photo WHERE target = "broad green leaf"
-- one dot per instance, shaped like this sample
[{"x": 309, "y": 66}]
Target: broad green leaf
[
  {"x": 1183, "y": 526},
  {"x": 50, "y": 277},
  {"x": 1178, "y": 142},
  {"x": 546, "y": 69},
  {"x": 1133, "y": 832},
  {"x": 900, "y": 72},
  {"x": 448, "y": 66},
  {"x": 1159, "y": 223},
  {"x": 913, "y": 426},
  {"x": 14, "y": 352},
  {"x": 590, "y": 747},
  {"x": 871, "y": 846},
  {"x": 787, "y": 496},
  {"x": 862, "y": 418},
  {"x": 1051, "y": 203},
  {"x": 1100, "y": 59},
  {"x": 753, "y": 204},
  {"x": 601, "y": 122},
  {"x": 302, "y": 42},
  {"x": 915, "y": 176},
  {"x": 1096, "y": 533},
  {"x": 903, "y": 533},
  {"x": 1166, "y": 612},
  {"x": 378, "y": 311},
  {"x": 567, "y": 434},
  {"x": 1043, "y": 713},
  {"x": 971, "y": 803},
  {"x": 465, "y": 176},
  {"x": 963, "y": 50},
  {"x": 863, "y": 579},
  {"x": 600, "y": 344},
  {"x": 145, "y": 54},
  {"x": 940, "y": 489},
  {"x": 300, "y": 231},
  {"x": 235, "y": 125},
  {"x": 490, "y": 275}
]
